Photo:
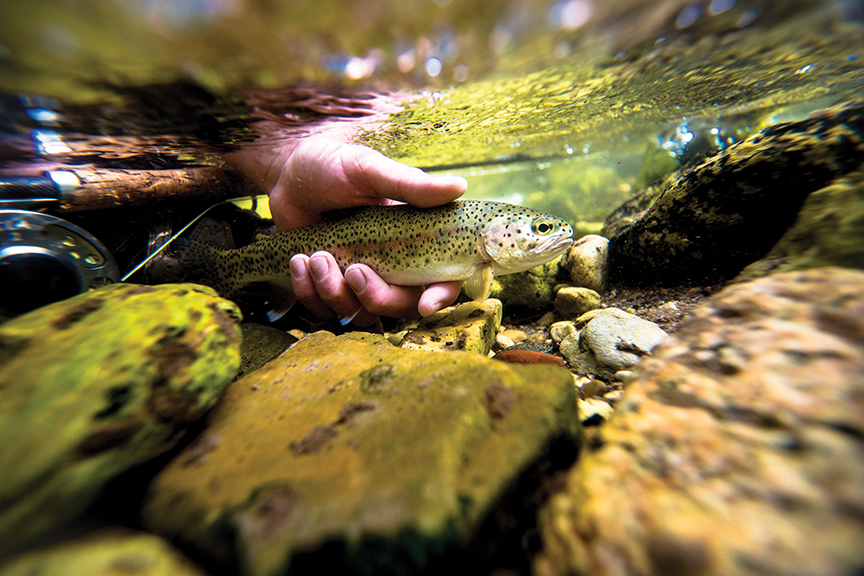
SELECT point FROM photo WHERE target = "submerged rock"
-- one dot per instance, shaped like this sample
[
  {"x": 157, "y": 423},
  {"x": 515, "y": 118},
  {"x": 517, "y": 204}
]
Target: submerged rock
[
  {"x": 108, "y": 552},
  {"x": 98, "y": 383},
  {"x": 571, "y": 302},
  {"x": 610, "y": 340},
  {"x": 347, "y": 453},
  {"x": 534, "y": 288},
  {"x": 729, "y": 211},
  {"x": 586, "y": 262},
  {"x": 829, "y": 231},
  {"x": 468, "y": 327},
  {"x": 737, "y": 447},
  {"x": 260, "y": 344}
]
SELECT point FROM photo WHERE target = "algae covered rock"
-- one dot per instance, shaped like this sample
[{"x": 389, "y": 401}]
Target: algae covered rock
[
  {"x": 737, "y": 447},
  {"x": 610, "y": 340},
  {"x": 349, "y": 454},
  {"x": 98, "y": 383},
  {"x": 534, "y": 288},
  {"x": 571, "y": 301},
  {"x": 468, "y": 327},
  {"x": 109, "y": 552},
  {"x": 730, "y": 210}
]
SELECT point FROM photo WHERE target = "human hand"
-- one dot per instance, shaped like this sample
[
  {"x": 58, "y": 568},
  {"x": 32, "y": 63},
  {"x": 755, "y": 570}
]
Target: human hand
[{"x": 321, "y": 174}]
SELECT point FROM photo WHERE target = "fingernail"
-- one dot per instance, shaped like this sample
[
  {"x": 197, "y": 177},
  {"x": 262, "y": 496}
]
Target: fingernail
[
  {"x": 320, "y": 267},
  {"x": 457, "y": 181},
  {"x": 432, "y": 309},
  {"x": 298, "y": 269},
  {"x": 356, "y": 279}
]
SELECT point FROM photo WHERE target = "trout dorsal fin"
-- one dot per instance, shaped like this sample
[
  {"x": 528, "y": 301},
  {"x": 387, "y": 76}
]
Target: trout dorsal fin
[{"x": 479, "y": 285}]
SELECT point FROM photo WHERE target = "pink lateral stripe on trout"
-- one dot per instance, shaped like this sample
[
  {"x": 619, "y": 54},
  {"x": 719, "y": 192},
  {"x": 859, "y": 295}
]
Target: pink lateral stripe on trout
[{"x": 468, "y": 240}]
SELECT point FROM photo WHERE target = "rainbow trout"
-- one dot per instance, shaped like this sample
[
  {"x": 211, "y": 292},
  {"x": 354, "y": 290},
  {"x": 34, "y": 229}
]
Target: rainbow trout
[{"x": 466, "y": 240}]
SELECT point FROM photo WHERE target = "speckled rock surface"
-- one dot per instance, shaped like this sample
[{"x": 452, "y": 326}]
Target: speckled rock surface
[
  {"x": 737, "y": 447},
  {"x": 110, "y": 552},
  {"x": 469, "y": 327},
  {"x": 98, "y": 383},
  {"x": 729, "y": 211},
  {"x": 350, "y": 454},
  {"x": 610, "y": 340},
  {"x": 586, "y": 262},
  {"x": 571, "y": 302},
  {"x": 532, "y": 289}
]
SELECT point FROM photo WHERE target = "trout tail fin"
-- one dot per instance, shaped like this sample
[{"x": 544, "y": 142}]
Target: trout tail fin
[{"x": 228, "y": 272}]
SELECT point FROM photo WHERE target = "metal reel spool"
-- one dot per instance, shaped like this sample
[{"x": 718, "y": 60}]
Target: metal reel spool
[{"x": 44, "y": 259}]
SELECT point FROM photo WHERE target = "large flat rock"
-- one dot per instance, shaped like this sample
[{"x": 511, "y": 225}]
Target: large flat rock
[{"x": 351, "y": 454}]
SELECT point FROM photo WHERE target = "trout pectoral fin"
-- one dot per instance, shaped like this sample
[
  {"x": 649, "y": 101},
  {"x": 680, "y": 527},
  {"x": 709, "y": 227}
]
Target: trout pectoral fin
[
  {"x": 280, "y": 299},
  {"x": 479, "y": 285}
]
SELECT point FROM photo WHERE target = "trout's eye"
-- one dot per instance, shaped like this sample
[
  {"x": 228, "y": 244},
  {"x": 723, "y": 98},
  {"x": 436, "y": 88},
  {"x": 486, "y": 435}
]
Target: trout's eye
[{"x": 542, "y": 226}]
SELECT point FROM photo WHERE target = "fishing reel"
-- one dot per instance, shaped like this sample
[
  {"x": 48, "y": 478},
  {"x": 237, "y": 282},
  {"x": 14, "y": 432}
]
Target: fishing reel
[{"x": 44, "y": 259}]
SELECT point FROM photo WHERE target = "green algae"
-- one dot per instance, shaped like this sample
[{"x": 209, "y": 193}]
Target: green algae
[
  {"x": 613, "y": 104},
  {"x": 98, "y": 383}
]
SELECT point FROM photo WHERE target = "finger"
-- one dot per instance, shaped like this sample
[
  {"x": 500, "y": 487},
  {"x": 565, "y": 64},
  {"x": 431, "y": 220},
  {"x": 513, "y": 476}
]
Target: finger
[
  {"x": 382, "y": 298},
  {"x": 438, "y": 296},
  {"x": 375, "y": 174},
  {"x": 304, "y": 287},
  {"x": 334, "y": 291}
]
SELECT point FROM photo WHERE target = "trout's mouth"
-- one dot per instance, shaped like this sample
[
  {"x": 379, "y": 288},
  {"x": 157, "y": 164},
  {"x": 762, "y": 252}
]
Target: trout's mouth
[{"x": 558, "y": 245}]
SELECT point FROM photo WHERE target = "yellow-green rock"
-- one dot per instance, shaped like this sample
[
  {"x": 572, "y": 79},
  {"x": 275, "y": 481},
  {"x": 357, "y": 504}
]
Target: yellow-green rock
[
  {"x": 111, "y": 552},
  {"x": 469, "y": 327},
  {"x": 347, "y": 452},
  {"x": 572, "y": 302},
  {"x": 98, "y": 383},
  {"x": 534, "y": 288}
]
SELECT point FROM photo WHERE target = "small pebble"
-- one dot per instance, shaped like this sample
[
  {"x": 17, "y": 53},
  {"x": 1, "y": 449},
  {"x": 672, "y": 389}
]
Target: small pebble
[
  {"x": 515, "y": 335},
  {"x": 546, "y": 320},
  {"x": 396, "y": 338},
  {"x": 580, "y": 381},
  {"x": 502, "y": 342},
  {"x": 623, "y": 375},
  {"x": 593, "y": 388},
  {"x": 572, "y": 302},
  {"x": 594, "y": 411},
  {"x": 560, "y": 330}
]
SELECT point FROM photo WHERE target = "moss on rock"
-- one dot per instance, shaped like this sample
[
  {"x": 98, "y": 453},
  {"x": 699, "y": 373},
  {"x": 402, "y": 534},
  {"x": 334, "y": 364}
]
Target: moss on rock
[
  {"x": 98, "y": 383},
  {"x": 347, "y": 452}
]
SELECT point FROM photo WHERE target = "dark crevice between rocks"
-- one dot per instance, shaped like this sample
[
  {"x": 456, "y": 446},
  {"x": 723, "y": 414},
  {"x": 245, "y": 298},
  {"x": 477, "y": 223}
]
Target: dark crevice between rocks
[{"x": 121, "y": 500}]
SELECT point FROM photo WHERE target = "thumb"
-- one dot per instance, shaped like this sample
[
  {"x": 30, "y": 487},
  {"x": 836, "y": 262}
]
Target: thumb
[{"x": 380, "y": 176}]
